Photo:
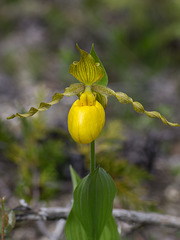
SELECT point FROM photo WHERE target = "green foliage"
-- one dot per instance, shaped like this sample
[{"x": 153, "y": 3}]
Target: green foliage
[
  {"x": 8, "y": 63},
  {"x": 110, "y": 231},
  {"x": 146, "y": 33},
  {"x": 75, "y": 178},
  {"x": 36, "y": 63},
  {"x": 94, "y": 211},
  {"x": 6, "y": 136},
  {"x": 129, "y": 179},
  {"x": 57, "y": 23},
  {"x": 6, "y": 25},
  {"x": 91, "y": 214},
  {"x": 175, "y": 171},
  {"x": 75, "y": 230},
  {"x": 37, "y": 158},
  {"x": 12, "y": 1},
  {"x": 56, "y": 19},
  {"x": 140, "y": 38}
]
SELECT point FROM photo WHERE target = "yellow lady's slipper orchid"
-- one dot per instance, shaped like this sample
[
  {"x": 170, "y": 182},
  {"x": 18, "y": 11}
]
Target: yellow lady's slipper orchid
[{"x": 86, "y": 118}]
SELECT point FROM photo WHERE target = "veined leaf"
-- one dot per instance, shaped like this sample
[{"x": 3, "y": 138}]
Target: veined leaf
[
  {"x": 110, "y": 231},
  {"x": 75, "y": 177},
  {"x": 104, "y": 80},
  {"x": 93, "y": 202},
  {"x": 75, "y": 231}
]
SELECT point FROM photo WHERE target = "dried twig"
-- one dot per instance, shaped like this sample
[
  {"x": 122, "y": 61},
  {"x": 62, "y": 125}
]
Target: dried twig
[
  {"x": 146, "y": 218},
  {"x": 56, "y": 213}
]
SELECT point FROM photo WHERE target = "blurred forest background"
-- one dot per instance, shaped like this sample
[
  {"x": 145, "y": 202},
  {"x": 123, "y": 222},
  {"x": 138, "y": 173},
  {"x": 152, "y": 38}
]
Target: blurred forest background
[{"x": 138, "y": 43}]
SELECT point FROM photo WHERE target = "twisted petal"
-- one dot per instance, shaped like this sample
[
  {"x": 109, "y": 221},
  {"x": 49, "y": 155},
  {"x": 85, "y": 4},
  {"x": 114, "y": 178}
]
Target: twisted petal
[
  {"x": 138, "y": 107},
  {"x": 42, "y": 107},
  {"x": 102, "y": 90},
  {"x": 72, "y": 90},
  {"x": 86, "y": 70}
]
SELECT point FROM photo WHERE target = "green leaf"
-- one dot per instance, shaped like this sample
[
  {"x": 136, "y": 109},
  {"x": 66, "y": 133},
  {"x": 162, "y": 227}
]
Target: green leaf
[
  {"x": 104, "y": 79},
  {"x": 93, "y": 202},
  {"x": 110, "y": 231},
  {"x": 75, "y": 177},
  {"x": 75, "y": 230},
  {"x": 96, "y": 210}
]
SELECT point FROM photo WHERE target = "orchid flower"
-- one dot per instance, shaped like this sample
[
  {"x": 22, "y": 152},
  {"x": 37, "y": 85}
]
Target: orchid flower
[{"x": 86, "y": 117}]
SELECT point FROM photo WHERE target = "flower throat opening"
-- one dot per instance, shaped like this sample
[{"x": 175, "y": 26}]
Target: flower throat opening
[{"x": 87, "y": 99}]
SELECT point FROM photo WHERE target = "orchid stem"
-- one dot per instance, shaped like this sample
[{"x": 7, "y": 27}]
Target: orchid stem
[{"x": 93, "y": 157}]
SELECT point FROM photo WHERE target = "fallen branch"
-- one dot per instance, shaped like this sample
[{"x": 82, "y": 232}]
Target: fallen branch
[
  {"x": 146, "y": 218},
  {"x": 45, "y": 214},
  {"x": 133, "y": 217}
]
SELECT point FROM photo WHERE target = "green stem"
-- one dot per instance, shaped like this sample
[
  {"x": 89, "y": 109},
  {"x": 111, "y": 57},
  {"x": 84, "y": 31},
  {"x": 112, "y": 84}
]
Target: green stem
[{"x": 93, "y": 157}]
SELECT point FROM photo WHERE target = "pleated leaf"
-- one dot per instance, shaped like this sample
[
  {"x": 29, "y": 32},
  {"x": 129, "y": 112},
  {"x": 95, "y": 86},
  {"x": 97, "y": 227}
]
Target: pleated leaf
[
  {"x": 110, "y": 231},
  {"x": 75, "y": 231},
  {"x": 104, "y": 80},
  {"x": 93, "y": 202}
]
